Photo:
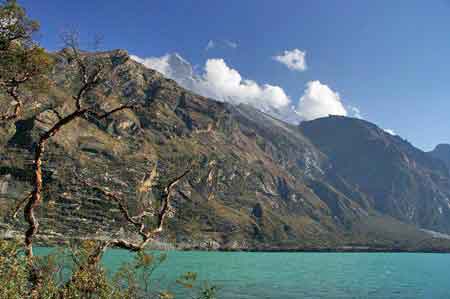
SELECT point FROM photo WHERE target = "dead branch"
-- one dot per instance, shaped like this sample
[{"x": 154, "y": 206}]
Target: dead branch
[
  {"x": 104, "y": 115},
  {"x": 89, "y": 82},
  {"x": 166, "y": 201},
  {"x": 137, "y": 221},
  {"x": 58, "y": 115},
  {"x": 35, "y": 199},
  {"x": 20, "y": 205},
  {"x": 122, "y": 206}
]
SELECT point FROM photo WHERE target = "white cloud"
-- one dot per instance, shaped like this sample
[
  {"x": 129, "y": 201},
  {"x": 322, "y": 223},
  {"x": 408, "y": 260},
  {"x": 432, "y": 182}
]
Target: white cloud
[
  {"x": 211, "y": 44},
  {"x": 172, "y": 66},
  {"x": 161, "y": 64},
  {"x": 293, "y": 59},
  {"x": 355, "y": 111},
  {"x": 390, "y": 131},
  {"x": 221, "y": 44},
  {"x": 231, "y": 44},
  {"x": 319, "y": 100},
  {"x": 219, "y": 81}
]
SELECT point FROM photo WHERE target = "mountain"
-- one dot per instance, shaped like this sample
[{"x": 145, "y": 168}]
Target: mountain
[
  {"x": 442, "y": 152},
  {"x": 256, "y": 182},
  {"x": 398, "y": 179}
]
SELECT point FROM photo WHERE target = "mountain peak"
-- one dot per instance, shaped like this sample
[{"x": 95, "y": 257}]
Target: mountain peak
[
  {"x": 442, "y": 152},
  {"x": 442, "y": 147}
]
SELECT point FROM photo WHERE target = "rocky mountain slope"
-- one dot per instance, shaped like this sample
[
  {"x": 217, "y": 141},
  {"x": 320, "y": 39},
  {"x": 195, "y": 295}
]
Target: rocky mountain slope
[
  {"x": 398, "y": 179},
  {"x": 256, "y": 182},
  {"x": 442, "y": 152}
]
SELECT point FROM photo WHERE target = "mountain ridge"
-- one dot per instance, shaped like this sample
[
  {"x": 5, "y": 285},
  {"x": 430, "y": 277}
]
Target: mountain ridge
[
  {"x": 442, "y": 152},
  {"x": 259, "y": 183}
]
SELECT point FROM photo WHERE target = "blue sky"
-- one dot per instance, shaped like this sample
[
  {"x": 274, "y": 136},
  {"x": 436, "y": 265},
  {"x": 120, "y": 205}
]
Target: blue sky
[{"x": 388, "y": 58}]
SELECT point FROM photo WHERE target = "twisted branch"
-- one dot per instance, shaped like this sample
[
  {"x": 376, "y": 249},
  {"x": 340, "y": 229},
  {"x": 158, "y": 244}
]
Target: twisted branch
[
  {"x": 36, "y": 197},
  {"x": 137, "y": 221},
  {"x": 19, "y": 206},
  {"x": 89, "y": 82}
]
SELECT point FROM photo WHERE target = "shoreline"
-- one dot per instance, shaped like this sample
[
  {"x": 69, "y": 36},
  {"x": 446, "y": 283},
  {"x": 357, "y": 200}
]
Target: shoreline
[
  {"x": 320, "y": 250},
  {"x": 277, "y": 250},
  {"x": 47, "y": 241}
]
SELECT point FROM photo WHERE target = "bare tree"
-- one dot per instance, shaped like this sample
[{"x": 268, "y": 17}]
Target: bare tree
[
  {"x": 92, "y": 75},
  {"x": 146, "y": 233}
]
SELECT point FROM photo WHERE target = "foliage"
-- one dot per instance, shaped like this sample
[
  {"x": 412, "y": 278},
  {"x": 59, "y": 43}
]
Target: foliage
[
  {"x": 20, "y": 57},
  {"x": 71, "y": 273},
  {"x": 15, "y": 26},
  {"x": 23, "y": 63},
  {"x": 27, "y": 65},
  {"x": 13, "y": 271}
]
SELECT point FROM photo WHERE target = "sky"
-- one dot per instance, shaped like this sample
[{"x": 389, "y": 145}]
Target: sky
[{"x": 384, "y": 61}]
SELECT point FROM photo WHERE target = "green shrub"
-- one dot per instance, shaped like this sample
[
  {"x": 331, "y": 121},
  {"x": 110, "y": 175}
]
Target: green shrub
[{"x": 74, "y": 274}]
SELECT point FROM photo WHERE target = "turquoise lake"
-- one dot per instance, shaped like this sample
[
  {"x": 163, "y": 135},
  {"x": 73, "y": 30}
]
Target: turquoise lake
[{"x": 309, "y": 275}]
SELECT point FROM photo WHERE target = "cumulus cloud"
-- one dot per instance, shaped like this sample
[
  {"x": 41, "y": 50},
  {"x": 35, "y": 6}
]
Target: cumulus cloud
[
  {"x": 355, "y": 112},
  {"x": 390, "y": 131},
  {"x": 294, "y": 59},
  {"x": 319, "y": 100},
  {"x": 219, "y": 81},
  {"x": 224, "y": 83},
  {"x": 172, "y": 66},
  {"x": 161, "y": 64}
]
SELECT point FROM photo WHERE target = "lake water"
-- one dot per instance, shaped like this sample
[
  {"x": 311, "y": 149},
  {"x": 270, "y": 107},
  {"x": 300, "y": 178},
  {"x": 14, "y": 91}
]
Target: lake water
[{"x": 309, "y": 275}]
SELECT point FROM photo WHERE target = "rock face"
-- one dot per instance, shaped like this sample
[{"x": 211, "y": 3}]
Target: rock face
[
  {"x": 256, "y": 182},
  {"x": 398, "y": 179},
  {"x": 442, "y": 152}
]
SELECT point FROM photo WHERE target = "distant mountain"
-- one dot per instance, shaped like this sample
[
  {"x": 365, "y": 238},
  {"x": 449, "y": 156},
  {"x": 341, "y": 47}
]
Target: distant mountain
[
  {"x": 398, "y": 179},
  {"x": 257, "y": 183},
  {"x": 442, "y": 152}
]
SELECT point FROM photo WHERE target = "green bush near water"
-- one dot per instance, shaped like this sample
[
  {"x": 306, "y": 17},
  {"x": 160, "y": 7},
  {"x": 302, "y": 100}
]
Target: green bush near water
[{"x": 68, "y": 273}]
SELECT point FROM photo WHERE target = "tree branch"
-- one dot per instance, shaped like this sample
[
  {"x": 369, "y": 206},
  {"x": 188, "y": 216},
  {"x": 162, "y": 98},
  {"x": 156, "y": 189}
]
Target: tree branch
[
  {"x": 166, "y": 201},
  {"x": 20, "y": 205},
  {"x": 99, "y": 116},
  {"x": 58, "y": 115},
  {"x": 89, "y": 79},
  {"x": 36, "y": 197},
  {"x": 146, "y": 235},
  {"x": 123, "y": 208},
  {"x": 89, "y": 82}
]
